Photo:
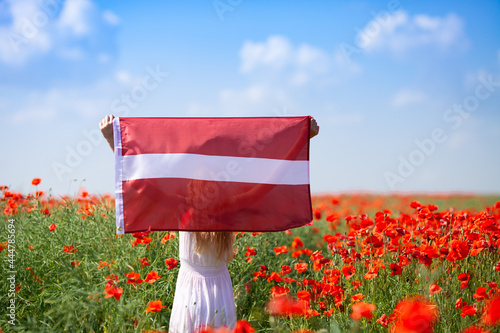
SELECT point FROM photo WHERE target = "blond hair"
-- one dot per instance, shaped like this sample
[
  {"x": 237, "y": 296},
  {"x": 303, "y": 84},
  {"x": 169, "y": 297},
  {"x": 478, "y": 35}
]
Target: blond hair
[
  {"x": 207, "y": 199},
  {"x": 219, "y": 242}
]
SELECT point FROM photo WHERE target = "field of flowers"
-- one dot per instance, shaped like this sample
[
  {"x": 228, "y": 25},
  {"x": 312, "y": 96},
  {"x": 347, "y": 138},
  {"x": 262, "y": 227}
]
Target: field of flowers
[{"x": 370, "y": 263}]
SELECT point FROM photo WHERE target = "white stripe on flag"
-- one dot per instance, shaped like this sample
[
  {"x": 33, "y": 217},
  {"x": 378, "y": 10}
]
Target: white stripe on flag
[{"x": 216, "y": 168}]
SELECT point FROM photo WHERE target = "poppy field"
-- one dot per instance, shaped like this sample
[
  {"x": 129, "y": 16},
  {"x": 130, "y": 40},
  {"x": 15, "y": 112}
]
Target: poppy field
[{"x": 369, "y": 263}]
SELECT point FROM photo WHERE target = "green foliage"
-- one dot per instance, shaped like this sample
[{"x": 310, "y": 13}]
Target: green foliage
[{"x": 63, "y": 292}]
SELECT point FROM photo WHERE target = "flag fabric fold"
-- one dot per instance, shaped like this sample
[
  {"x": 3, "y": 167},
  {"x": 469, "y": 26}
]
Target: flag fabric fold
[{"x": 212, "y": 174}]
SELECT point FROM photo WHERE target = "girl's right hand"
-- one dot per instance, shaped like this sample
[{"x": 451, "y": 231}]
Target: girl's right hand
[
  {"x": 106, "y": 126},
  {"x": 314, "y": 130}
]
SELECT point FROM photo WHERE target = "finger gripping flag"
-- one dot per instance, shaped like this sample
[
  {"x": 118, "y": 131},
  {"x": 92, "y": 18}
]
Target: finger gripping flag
[{"x": 212, "y": 174}]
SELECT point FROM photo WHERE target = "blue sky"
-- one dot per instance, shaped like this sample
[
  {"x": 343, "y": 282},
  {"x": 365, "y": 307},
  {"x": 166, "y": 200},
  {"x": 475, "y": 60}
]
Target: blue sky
[{"x": 406, "y": 93}]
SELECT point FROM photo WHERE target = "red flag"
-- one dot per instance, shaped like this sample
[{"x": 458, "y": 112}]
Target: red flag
[{"x": 212, "y": 174}]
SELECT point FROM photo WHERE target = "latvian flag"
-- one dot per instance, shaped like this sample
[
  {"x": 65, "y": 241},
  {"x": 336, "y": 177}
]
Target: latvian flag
[{"x": 212, "y": 174}]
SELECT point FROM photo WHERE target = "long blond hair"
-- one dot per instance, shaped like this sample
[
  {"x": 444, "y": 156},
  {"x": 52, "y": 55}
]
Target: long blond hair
[
  {"x": 219, "y": 241},
  {"x": 207, "y": 198}
]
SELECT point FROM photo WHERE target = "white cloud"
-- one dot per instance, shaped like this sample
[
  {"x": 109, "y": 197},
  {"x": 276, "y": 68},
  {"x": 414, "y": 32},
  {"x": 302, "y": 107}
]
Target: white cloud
[
  {"x": 309, "y": 61},
  {"x": 123, "y": 77},
  {"x": 24, "y": 36},
  {"x": 278, "y": 71},
  {"x": 38, "y": 107},
  {"x": 399, "y": 32},
  {"x": 278, "y": 59},
  {"x": 274, "y": 53},
  {"x": 38, "y": 27},
  {"x": 253, "y": 100},
  {"x": 103, "y": 58},
  {"x": 110, "y": 17},
  {"x": 71, "y": 53},
  {"x": 75, "y": 16},
  {"x": 53, "y": 103},
  {"x": 407, "y": 97},
  {"x": 253, "y": 94}
]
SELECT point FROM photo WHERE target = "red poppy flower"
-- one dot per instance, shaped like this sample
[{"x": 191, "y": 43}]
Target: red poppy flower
[
  {"x": 491, "y": 315},
  {"x": 297, "y": 243},
  {"x": 36, "y": 181},
  {"x": 133, "y": 278},
  {"x": 171, "y": 263},
  {"x": 243, "y": 326},
  {"x": 415, "y": 204},
  {"x": 261, "y": 273},
  {"x": 362, "y": 310},
  {"x": 248, "y": 287},
  {"x": 301, "y": 267},
  {"x": 103, "y": 264},
  {"x": 317, "y": 214},
  {"x": 152, "y": 277},
  {"x": 357, "y": 297},
  {"x": 348, "y": 271},
  {"x": 52, "y": 227},
  {"x": 140, "y": 238},
  {"x": 113, "y": 292},
  {"x": 286, "y": 306},
  {"x": 250, "y": 251},
  {"x": 432, "y": 207},
  {"x": 167, "y": 237},
  {"x": 274, "y": 277},
  {"x": 458, "y": 250},
  {"x": 281, "y": 249},
  {"x": 356, "y": 284},
  {"x": 143, "y": 262},
  {"x": 304, "y": 295},
  {"x": 279, "y": 291},
  {"x": 480, "y": 294},
  {"x": 316, "y": 255},
  {"x": 464, "y": 278},
  {"x": 396, "y": 269},
  {"x": 460, "y": 303},
  {"x": 330, "y": 238},
  {"x": 155, "y": 306},
  {"x": 492, "y": 285},
  {"x": 383, "y": 320},
  {"x": 285, "y": 269},
  {"x": 372, "y": 273},
  {"x": 468, "y": 310},
  {"x": 434, "y": 289},
  {"x": 415, "y": 314},
  {"x": 70, "y": 249},
  {"x": 375, "y": 241}
]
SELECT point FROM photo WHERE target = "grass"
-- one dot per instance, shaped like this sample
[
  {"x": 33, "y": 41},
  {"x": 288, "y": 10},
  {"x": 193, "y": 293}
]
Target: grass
[{"x": 59, "y": 291}]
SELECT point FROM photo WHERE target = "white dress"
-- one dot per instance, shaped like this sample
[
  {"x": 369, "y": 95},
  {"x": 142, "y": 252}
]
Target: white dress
[{"x": 203, "y": 293}]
